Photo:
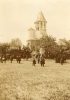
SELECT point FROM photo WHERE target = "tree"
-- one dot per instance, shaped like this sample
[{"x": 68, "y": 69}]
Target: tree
[
  {"x": 65, "y": 44},
  {"x": 26, "y": 52},
  {"x": 50, "y": 46},
  {"x": 4, "y": 47},
  {"x": 16, "y": 43}
]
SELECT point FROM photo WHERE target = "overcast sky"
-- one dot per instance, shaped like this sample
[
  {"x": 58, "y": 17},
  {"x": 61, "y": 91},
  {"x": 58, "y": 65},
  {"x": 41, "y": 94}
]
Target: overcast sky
[{"x": 17, "y": 16}]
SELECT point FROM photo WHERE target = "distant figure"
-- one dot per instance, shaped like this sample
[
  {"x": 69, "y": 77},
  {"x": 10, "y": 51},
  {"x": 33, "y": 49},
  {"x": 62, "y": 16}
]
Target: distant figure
[
  {"x": 34, "y": 61},
  {"x": 18, "y": 59},
  {"x": 0, "y": 59},
  {"x": 58, "y": 57},
  {"x": 42, "y": 61},
  {"x": 63, "y": 58},
  {"x": 3, "y": 59},
  {"x": 38, "y": 59},
  {"x": 11, "y": 58}
]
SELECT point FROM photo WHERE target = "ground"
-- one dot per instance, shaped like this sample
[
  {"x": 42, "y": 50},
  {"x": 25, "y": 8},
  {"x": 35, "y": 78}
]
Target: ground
[{"x": 26, "y": 82}]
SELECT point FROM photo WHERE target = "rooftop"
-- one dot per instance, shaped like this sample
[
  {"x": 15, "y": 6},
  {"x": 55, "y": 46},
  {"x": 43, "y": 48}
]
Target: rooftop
[{"x": 40, "y": 17}]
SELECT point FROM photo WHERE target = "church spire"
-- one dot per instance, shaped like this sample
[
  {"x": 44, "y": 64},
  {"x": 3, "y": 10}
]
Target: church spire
[
  {"x": 40, "y": 23},
  {"x": 40, "y": 17}
]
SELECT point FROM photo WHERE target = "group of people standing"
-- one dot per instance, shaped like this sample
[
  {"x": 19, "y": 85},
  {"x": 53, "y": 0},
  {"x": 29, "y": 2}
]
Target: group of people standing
[
  {"x": 40, "y": 59},
  {"x": 4, "y": 58}
]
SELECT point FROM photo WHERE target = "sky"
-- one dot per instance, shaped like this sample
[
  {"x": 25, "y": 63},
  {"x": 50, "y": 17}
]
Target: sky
[{"x": 17, "y": 16}]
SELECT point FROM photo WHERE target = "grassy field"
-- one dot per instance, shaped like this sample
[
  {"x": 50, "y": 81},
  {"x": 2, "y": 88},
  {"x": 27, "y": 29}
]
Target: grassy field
[{"x": 26, "y": 82}]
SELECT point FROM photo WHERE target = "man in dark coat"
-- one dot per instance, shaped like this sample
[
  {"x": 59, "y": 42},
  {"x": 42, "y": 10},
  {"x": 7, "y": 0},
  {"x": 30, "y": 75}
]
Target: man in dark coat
[
  {"x": 42, "y": 61},
  {"x": 34, "y": 60}
]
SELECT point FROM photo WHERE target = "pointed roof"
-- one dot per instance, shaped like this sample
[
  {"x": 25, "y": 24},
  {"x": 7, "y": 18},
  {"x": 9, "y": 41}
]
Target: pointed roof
[
  {"x": 40, "y": 17},
  {"x": 31, "y": 29}
]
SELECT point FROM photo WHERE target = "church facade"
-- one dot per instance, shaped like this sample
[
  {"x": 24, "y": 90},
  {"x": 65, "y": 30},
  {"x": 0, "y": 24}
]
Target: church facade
[{"x": 38, "y": 32}]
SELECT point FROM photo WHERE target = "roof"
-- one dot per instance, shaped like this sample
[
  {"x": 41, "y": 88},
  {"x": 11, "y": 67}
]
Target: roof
[
  {"x": 31, "y": 29},
  {"x": 40, "y": 17}
]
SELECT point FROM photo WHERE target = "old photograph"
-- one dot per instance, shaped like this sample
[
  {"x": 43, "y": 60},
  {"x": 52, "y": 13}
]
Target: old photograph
[{"x": 34, "y": 49}]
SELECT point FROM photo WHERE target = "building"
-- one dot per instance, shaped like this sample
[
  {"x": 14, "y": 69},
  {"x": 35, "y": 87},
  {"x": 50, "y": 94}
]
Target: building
[{"x": 37, "y": 33}]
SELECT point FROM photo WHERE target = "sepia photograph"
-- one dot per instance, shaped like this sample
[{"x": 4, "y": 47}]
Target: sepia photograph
[{"x": 34, "y": 49}]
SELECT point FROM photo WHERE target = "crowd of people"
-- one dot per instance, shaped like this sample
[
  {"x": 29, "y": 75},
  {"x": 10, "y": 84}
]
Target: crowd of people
[
  {"x": 60, "y": 57},
  {"x": 40, "y": 59},
  {"x": 4, "y": 58}
]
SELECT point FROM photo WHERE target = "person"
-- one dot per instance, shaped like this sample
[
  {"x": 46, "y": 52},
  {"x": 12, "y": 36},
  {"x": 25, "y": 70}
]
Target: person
[
  {"x": 38, "y": 58},
  {"x": 34, "y": 61},
  {"x": 11, "y": 58},
  {"x": 18, "y": 59},
  {"x": 3, "y": 58},
  {"x": 57, "y": 57},
  {"x": 0, "y": 58},
  {"x": 42, "y": 61},
  {"x": 63, "y": 58}
]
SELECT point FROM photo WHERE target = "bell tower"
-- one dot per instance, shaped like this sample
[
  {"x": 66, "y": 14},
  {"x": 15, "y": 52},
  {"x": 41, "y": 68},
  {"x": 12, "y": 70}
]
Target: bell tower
[{"x": 40, "y": 24}]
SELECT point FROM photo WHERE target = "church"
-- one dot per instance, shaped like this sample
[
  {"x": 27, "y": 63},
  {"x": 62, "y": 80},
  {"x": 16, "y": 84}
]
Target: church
[{"x": 38, "y": 32}]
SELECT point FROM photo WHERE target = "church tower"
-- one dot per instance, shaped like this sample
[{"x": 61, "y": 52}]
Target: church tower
[
  {"x": 37, "y": 33},
  {"x": 40, "y": 24}
]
